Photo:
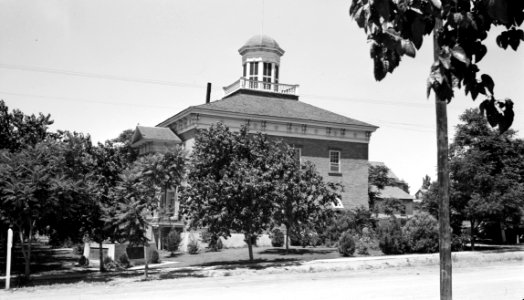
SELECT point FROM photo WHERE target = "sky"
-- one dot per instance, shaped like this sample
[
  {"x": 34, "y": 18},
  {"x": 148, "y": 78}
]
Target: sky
[{"x": 100, "y": 67}]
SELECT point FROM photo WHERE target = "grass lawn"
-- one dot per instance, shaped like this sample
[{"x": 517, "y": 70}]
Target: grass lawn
[{"x": 240, "y": 256}]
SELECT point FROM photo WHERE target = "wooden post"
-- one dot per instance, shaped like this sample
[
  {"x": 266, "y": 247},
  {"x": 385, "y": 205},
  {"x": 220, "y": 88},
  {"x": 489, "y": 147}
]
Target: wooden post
[{"x": 443, "y": 184}]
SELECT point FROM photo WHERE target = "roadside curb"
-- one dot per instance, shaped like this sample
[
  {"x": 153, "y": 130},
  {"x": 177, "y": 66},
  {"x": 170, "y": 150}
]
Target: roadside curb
[{"x": 362, "y": 263}]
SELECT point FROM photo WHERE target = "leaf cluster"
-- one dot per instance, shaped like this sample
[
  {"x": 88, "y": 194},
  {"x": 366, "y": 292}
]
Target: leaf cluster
[{"x": 396, "y": 28}]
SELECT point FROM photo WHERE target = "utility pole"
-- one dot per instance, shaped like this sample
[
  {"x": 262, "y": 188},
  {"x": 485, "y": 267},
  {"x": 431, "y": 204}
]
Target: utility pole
[{"x": 443, "y": 182}]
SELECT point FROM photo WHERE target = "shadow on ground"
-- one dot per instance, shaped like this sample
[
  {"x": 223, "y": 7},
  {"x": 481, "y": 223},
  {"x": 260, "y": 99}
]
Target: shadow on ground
[{"x": 296, "y": 251}]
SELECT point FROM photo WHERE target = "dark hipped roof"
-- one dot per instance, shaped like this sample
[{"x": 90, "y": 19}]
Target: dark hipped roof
[
  {"x": 154, "y": 134},
  {"x": 260, "y": 105}
]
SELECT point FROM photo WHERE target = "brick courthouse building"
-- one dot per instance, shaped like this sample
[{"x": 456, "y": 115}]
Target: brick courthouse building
[{"x": 336, "y": 144}]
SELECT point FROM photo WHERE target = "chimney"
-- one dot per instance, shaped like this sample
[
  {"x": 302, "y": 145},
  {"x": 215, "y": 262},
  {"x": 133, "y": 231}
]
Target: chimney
[{"x": 208, "y": 93}]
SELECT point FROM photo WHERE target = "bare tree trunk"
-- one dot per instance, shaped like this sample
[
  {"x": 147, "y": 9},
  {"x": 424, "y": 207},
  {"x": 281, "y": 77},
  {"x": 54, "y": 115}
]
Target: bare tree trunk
[
  {"x": 146, "y": 267},
  {"x": 27, "y": 259},
  {"x": 249, "y": 246},
  {"x": 287, "y": 238},
  {"x": 472, "y": 234},
  {"x": 443, "y": 184},
  {"x": 27, "y": 271},
  {"x": 502, "y": 233},
  {"x": 101, "y": 257}
]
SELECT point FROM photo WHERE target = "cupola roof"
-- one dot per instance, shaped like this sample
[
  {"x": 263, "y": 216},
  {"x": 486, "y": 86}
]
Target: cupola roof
[{"x": 261, "y": 42}]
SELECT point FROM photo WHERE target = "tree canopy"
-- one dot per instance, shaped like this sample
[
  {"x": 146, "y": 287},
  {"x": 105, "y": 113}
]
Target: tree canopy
[
  {"x": 487, "y": 175},
  {"x": 231, "y": 182}
]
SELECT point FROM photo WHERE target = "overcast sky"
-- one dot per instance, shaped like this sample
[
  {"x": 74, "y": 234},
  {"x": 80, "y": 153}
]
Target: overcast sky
[{"x": 100, "y": 67}]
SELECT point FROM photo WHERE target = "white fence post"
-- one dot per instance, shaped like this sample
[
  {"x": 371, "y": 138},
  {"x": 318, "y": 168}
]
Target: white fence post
[{"x": 8, "y": 258}]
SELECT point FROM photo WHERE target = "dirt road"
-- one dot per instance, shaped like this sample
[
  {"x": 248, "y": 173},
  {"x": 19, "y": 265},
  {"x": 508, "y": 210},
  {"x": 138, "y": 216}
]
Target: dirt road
[{"x": 496, "y": 281}]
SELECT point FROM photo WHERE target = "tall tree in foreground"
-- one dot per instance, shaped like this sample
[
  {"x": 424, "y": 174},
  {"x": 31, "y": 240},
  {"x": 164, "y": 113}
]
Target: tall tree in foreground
[
  {"x": 232, "y": 182},
  {"x": 396, "y": 28},
  {"x": 138, "y": 194},
  {"x": 302, "y": 196},
  {"x": 34, "y": 193}
]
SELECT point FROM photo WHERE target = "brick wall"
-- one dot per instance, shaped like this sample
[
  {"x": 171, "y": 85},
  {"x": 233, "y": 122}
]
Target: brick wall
[{"x": 353, "y": 176}]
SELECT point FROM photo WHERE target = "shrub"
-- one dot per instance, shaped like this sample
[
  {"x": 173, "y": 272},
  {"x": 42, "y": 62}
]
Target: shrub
[
  {"x": 154, "y": 258},
  {"x": 83, "y": 261},
  {"x": 391, "y": 240},
  {"x": 173, "y": 241},
  {"x": 458, "y": 242},
  {"x": 206, "y": 236},
  {"x": 421, "y": 234},
  {"x": 192, "y": 246},
  {"x": 344, "y": 220},
  {"x": 277, "y": 238},
  {"x": 78, "y": 249},
  {"x": 346, "y": 244},
  {"x": 124, "y": 261},
  {"x": 304, "y": 236},
  {"x": 109, "y": 263},
  {"x": 215, "y": 244}
]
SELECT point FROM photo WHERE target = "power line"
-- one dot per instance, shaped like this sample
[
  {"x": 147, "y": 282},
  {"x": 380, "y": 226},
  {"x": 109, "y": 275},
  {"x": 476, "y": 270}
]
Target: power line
[
  {"x": 100, "y": 76},
  {"x": 84, "y": 100},
  {"x": 398, "y": 125}
]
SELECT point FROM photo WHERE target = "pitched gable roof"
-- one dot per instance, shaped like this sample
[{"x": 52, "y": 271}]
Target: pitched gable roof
[{"x": 161, "y": 134}]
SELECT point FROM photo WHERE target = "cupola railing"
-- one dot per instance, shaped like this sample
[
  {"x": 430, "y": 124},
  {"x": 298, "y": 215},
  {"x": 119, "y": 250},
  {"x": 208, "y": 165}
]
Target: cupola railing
[{"x": 244, "y": 83}]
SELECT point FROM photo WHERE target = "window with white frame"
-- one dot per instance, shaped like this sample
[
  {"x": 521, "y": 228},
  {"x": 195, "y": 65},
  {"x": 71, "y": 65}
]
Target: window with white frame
[{"x": 334, "y": 161}]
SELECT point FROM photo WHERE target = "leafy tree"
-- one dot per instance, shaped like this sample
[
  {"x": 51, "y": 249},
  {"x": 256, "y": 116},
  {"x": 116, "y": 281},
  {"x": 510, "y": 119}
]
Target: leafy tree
[
  {"x": 487, "y": 173},
  {"x": 232, "y": 182},
  {"x": 108, "y": 162},
  {"x": 302, "y": 195},
  {"x": 18, "y": 130},
  {"x": 378, "y": 179},
  {"x": 137, "y": 195},
  {"x": 124, "y": 137},
  {"x": 33, "y": 193},
  {"x": 426, "y": 182}
]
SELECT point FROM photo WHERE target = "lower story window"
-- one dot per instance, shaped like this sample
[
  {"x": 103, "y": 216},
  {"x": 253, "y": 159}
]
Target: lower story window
[{"x": 334, "y": 161}]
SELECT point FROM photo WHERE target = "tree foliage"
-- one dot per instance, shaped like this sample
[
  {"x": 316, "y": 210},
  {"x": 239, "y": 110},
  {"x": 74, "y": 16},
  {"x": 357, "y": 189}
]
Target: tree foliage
[
  {"x": 378, "y": 179},
  {"x": 487, "y": 171},
  {"x": 232, "y": 182},
  {"x": 35, "y": 192},
  {"x": 302, "y": 196},
  {"x": 18, "y": 130},
  {"x": 396, "y": 28},
  {"x": 487, "y": 175}
]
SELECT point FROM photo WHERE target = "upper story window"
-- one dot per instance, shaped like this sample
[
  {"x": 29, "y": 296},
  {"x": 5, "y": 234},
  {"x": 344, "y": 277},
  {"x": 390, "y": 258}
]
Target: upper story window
[
  {"x": 244, "y": 71},
  {"x": 334, "y": 161}
]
